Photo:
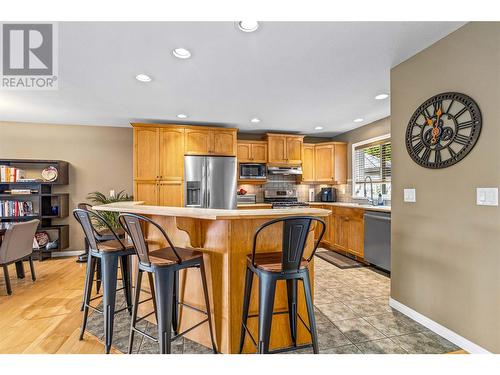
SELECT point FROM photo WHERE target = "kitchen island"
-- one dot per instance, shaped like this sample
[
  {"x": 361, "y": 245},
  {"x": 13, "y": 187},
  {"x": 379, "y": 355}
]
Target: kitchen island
[{"x": 225, "y": 237}]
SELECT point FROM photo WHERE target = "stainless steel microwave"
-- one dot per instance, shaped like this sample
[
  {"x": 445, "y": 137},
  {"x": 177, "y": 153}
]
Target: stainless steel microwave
[{"x": 252, "y": 171}]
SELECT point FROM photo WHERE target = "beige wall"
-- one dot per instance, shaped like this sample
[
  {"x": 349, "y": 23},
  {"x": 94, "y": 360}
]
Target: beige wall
[
  {"x": 100, "y": 158},
  {"x": 445, "y": 248},
  {"x": 374, "y": 129}
]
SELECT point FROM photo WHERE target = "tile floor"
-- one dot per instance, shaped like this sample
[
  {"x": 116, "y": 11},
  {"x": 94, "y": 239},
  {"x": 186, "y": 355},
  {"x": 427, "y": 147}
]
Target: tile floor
[{"x": 352, "y": 315}]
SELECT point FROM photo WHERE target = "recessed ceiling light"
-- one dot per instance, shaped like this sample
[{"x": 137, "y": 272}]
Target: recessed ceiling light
[
  {"x": 181, "y": 53},
  {"x": 143, "y": 78},
  {"x": 318, "y": 128},
  {"x": 248, "y": 26},
  {"x": 182, "y": 115},
  {"x": 255, "y": 120},
  {"x": 382, "y": 96},
  {"x": 358, "y": 120}
]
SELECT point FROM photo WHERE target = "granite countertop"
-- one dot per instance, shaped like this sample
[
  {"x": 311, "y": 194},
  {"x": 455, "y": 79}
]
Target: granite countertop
[
  {"x": 368, "y": 207},
  {"x": 209, "y": 213}
]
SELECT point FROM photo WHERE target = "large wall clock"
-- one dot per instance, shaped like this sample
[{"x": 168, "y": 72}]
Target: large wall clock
[{"x": 443, "y": 130}]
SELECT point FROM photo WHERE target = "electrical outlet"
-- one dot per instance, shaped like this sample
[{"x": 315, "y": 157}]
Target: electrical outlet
[{"x": 410, "y": 195}]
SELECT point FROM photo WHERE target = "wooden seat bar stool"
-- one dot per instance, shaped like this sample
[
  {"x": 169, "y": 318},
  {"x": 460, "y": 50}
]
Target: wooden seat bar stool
[
  {"x": 110, "y": 253},
  {"x": 164, "y": 264},
  {"x": 289, "y": 265}
]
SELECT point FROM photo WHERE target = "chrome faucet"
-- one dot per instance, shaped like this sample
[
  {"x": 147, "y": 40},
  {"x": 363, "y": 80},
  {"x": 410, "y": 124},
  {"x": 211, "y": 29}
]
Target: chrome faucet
[{"x": 370, "y": 200}]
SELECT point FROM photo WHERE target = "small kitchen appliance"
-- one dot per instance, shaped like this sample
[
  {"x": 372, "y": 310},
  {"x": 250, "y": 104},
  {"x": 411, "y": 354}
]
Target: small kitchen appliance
[
  {"x": 252, "y": 171},
  {"x": 328, "y": 194}
]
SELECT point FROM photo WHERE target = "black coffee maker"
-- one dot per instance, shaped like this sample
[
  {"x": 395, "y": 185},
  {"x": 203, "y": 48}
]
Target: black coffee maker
[{"x": 328, "y": 194}]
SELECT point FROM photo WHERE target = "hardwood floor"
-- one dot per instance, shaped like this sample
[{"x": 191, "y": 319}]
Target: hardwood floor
[{"x": 44, "y": 316}]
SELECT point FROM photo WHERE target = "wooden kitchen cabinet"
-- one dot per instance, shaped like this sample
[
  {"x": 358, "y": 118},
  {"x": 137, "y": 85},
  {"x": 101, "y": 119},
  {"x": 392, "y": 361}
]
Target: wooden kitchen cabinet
[
  {"x": 146, "y": 191},
  {"x": 252, "y": 152},
  {"x": 171, "y": 146},
  {"x": 146, "y": 154},
  {"x": 324, "y": 162},
  {"x": 170, "y": 193},
  {"x": 349, "y": 230},
  {"x": 284, "y": 149},
  {"x": 210, "y": 141},
  {"x": 308, "y": 163}
]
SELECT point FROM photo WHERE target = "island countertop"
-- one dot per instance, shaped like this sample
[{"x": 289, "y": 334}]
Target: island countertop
[{"x": 209, "y": 213}]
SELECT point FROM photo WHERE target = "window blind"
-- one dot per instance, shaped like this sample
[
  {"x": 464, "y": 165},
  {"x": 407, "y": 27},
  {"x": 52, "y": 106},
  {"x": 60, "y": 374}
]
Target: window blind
[{"x": 373, "y": 160}]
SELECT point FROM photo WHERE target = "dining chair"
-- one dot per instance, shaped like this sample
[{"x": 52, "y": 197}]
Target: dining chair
[{"x": 17, "y": 246}]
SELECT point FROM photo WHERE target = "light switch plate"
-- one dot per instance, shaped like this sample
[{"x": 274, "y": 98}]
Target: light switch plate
[
  {"x": 410, "y": 195},
  {"x": 487, "y": 196}
]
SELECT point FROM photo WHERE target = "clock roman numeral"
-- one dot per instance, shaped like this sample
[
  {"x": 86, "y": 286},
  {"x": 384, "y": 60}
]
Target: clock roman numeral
[
  {"x": 461, "y": 112},
  {"x": 427, "y": 114},
  {"x": 465, "y": 125},
  {"x": 462, "y": 139},
  {"x": 418, "y": 147},
  {"x": 426, "y": 155},
  {"x": 437, "y": 105},
  {"x": 449, "y": 107},
  {"x": 452, "y": 152},
  {"x": 437, "y": 157},
  {"x": 415, "y": 137}
]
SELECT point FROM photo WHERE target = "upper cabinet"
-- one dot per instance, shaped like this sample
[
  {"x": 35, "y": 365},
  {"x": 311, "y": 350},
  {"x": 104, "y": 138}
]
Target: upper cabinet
[
  {"x": 146, "y": 154},
  {"x": 210, "y": 141},
  {"x": 252, "y": 151},
  {"x": 330, "y": 165},
  {"x": 308, "y": 162},
  {"x": 324, "y": 163},
  {"x": 171, "y": 154},
  {"x": 284, "y": 149}
]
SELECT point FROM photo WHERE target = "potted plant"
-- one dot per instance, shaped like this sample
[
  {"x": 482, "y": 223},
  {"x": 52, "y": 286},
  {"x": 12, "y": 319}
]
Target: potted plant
[{"x": 97, "y": 197}]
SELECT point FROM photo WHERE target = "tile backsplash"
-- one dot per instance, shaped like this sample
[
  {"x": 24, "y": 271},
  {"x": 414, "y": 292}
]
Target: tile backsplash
[{"x": 344, "y": 191}]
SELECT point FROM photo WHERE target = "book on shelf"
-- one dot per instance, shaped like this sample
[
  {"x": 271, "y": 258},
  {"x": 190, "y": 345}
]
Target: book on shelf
[
  {"x": 11, "y": 174},
  {"x": 16, "y": 208},
  {"x": 21, "y": 191}
]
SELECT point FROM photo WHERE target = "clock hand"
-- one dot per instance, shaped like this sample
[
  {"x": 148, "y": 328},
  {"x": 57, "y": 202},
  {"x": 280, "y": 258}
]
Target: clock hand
[{"x": 435, "y": 130}]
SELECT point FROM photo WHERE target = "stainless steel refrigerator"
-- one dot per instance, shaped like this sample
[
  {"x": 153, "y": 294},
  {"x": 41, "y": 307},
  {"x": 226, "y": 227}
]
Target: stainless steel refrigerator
[{"x": 210, "y": 181}]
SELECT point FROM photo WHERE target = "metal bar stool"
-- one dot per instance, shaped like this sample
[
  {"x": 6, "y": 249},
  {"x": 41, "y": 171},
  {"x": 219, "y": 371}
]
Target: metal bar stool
[
  {"x": 289, "y": 265},
  {"x": 164, "y": 264},
  {"x": 109, "y": 253}
]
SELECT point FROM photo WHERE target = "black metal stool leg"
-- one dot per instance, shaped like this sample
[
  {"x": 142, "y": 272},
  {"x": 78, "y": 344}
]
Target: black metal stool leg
[
  {"x": 267, "y": 288},
  {"x": 175, "y": 311},
  {"x": 137, "y": 293},
  {"x": 98, "y": 276},
  {"x": 86, "y": 279},
  {"x": 207, "y": 304},
  {"x": 246, "y": 305},
  {"x": 126, "y": 282},
  {"x": 291, "y": 290},
  {"x": 164, "y": 285},
  {"x": 310, "y": 312},
  {"x": 109, "y": 265},
  {"x": 91, "y": 262},
  {"x": 153, "y": 295}
]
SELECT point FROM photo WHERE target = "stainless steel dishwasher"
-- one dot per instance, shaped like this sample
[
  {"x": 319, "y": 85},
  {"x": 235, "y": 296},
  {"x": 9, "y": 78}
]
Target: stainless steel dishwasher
[{"x": 378, "y": 239}]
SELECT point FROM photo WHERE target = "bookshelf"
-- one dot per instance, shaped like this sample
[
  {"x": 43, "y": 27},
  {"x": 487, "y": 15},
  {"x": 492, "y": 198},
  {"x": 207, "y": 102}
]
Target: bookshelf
[{"x": 45, "y": 201}]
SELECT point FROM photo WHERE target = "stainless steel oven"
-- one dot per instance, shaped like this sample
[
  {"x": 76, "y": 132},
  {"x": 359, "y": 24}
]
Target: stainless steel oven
[{"x": 252, "y": 171}]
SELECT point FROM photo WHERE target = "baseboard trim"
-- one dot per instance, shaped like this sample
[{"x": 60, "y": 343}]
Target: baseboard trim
[
  {"x": 57, "y": 254},
  {"x": 438, "y": 328}
]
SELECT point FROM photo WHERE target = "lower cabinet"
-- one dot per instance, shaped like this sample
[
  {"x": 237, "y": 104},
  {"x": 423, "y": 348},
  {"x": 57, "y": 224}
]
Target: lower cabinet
[
  {"x": 160, "y": 193},
  {"x": 345, "y": 230}
]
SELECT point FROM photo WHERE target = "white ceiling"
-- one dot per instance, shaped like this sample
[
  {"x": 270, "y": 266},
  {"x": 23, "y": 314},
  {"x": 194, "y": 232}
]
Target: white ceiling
[{"x": 292, "y": 75}]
